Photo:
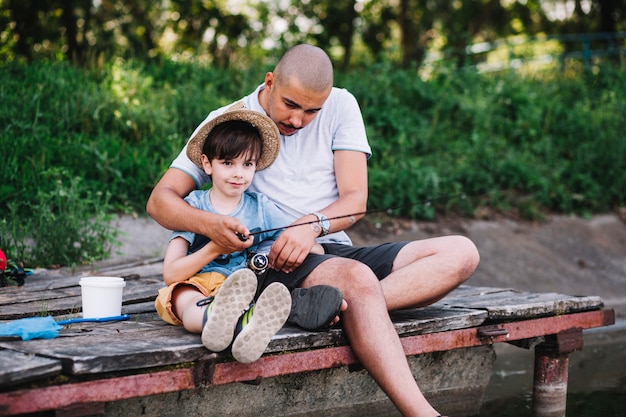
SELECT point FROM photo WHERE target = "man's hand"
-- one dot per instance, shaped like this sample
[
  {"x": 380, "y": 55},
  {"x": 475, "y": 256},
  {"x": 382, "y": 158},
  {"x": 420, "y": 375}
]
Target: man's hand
[{"x": 292, "y": 247}]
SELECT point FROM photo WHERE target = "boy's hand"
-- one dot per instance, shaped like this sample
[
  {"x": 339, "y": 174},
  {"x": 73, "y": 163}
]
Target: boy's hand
[
  {"x": 215, "y": 248},
  {"x": 225, "y": 233}
]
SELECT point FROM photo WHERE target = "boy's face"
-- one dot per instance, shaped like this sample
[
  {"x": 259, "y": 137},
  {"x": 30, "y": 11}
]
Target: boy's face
[
  {"x": 291, "y": 106},
  {"x": 230, "y": 177}
]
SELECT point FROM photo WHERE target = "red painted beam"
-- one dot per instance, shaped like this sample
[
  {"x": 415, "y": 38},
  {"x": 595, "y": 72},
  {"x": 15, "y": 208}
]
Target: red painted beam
[
  {"x": 285, "y": 364},
  {"x": 100, "y": 391}
]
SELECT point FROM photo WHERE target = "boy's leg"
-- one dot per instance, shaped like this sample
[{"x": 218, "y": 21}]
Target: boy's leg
[
  {"x": 314, "y": 307},
  {"x": 261, "y": 322},
  {"x": 221, "y": 316}
]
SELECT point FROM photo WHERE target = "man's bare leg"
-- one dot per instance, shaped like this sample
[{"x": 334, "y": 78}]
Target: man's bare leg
[
  {"x": 372, "y": 336},
  {"x": 426, "y": 270}
]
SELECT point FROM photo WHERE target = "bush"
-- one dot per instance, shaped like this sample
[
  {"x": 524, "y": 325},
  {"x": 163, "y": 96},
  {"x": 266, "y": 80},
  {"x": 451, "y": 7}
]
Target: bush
[
  {"x": 521, "y": 145},
  {"x": 62, "y": 224}
]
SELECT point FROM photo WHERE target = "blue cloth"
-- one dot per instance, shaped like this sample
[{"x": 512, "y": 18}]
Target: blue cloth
[
  {"x": 255, "y": 211},
  {"x": 31, "y": 328}
]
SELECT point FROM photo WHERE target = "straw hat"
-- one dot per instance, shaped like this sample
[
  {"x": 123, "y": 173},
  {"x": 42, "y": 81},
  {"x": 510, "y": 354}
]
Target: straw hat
[{"x": 238, "y": 111}]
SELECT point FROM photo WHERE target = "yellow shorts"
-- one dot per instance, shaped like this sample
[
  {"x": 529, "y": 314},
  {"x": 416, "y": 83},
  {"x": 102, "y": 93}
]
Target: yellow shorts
[{"x": 207, "y": 283}]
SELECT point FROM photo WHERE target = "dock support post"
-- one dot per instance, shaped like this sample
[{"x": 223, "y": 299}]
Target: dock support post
[{"x": 551, "y": 372}]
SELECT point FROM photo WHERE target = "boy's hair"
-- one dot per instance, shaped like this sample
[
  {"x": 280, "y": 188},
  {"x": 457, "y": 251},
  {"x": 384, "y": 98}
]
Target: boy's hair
[{"x": 232, "y": 139}]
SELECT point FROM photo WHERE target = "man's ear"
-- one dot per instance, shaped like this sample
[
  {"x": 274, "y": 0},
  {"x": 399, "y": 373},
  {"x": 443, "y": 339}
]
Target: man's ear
[{"x": 269, "y": 80}]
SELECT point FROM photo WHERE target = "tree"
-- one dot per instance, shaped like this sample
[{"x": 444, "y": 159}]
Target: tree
[{"x": 226, "y": 32}]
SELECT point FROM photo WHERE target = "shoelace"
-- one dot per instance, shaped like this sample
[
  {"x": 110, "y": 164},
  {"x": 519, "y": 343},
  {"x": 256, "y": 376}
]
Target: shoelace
[{"x": 244, "y": 319}]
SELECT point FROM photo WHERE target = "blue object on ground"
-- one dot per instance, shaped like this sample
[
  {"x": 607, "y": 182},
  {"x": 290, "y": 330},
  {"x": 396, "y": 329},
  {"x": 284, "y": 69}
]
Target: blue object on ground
[
  {"x": 94, "y": 320},
  {"x": 45, "y": 327},
  {"x": 31, "y": 328}
]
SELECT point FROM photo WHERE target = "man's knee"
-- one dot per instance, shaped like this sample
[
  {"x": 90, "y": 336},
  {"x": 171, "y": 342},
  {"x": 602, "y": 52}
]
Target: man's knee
[
  {"x": 468, "y": 256},
  {"x": 350, "y": 276}
]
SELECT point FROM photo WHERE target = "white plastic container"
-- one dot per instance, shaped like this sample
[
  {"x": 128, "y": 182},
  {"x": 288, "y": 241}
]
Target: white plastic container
[{"x": 102, "y": 296}]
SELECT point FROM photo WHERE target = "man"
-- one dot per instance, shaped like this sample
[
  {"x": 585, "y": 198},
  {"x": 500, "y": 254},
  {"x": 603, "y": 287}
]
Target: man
[{"x": 321, "y": 173}]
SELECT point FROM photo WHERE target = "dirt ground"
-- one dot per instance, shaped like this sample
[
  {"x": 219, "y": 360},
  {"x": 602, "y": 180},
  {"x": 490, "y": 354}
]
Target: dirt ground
[{"x": 568, "y": 255}]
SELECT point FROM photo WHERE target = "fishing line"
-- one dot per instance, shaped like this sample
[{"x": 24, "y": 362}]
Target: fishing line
[{"x": 388, "y": 210}]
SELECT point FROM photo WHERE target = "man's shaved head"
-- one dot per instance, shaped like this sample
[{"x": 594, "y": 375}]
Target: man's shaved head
[{"x": 307, "y": 64}]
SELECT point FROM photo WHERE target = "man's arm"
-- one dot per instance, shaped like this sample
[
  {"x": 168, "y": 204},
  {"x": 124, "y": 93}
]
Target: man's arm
[
  {"x": 295, "y": 243},
  {"x": 167, "y": 207},
  {"x": 351, "y": 175}
]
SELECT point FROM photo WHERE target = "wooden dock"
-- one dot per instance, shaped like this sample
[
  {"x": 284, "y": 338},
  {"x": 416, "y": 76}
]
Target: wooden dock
[{"x": 92, "y": 368}]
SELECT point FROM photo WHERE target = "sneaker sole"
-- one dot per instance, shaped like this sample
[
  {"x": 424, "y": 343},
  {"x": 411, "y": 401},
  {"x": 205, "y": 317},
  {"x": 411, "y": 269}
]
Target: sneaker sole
[
  {"x": 270, "y": 314},
  {"x": 233, "y": 297}
]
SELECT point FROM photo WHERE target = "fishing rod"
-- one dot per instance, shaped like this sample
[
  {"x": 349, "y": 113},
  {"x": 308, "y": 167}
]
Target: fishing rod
[
  {"x": 258, "y": 262},
  {"x": 388, "y": 210}
]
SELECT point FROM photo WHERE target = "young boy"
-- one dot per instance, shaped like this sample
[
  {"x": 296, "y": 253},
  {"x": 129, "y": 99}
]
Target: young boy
[{"x": 209, "y": 290}]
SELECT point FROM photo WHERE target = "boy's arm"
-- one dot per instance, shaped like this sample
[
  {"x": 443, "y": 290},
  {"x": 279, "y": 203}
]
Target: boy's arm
[
  {"x": 178, "y": 266},
  {"x": 167, "y": 207}
]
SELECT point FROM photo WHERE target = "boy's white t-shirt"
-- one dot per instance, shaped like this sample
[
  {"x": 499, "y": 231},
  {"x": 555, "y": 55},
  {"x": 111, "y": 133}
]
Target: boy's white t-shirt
[{"x": 302, "y": 179}]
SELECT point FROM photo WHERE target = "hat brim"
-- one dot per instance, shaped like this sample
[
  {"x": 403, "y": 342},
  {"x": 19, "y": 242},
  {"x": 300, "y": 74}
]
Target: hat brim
[{"x": 268, "y": 130}]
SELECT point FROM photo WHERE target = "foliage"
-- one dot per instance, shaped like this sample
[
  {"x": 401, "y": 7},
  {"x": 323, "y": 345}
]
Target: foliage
[
  {"x": 236, "y": 33},
  {"x": 79, "y": 144},
  {"x": 61, "y": 224},
  {"x": 517, "y": 145}
]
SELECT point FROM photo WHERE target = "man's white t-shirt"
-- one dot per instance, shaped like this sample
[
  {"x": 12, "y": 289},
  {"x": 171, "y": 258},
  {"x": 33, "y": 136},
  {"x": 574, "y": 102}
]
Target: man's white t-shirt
[{"x": 302, "y": 179}]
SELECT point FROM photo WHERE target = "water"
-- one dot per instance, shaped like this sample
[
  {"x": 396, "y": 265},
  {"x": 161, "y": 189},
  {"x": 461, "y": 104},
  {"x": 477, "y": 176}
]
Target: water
[
  {"x": 584, "y": 404},
  {"x": 597, "y": 378}
]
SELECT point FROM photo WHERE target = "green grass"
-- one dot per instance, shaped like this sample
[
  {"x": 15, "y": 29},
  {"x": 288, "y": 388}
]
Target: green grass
[{"x": 96, "y": 141}]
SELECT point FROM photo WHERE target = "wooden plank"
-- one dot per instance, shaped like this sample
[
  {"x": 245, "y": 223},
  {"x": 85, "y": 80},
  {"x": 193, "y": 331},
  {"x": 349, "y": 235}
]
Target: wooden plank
[
  {"x": 545, "y": 306},
  {"x": 17, "y": 367},
  {"x": 511, "y": 304},
  {"x": 42, "y": 282},
  {"x": 435, "y": 319},
  {"x": 53, "y": 303},
  {"x": 139, "y": 266},
  {"x": 45, "y": 280},
  {"x": 472, "y": 291},
  {"x": 413, "y": 321},
  {"x": 13, "y": 297},
  {"x": 146, "y": 307},
  {"x": 116, "y": 346}
]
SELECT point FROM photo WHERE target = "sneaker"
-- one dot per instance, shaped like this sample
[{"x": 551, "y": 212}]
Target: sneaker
[
  {"x": 261, "y": 322},
  {"x": 222, "y": 314},
  {"x": 315, "y": 307}
]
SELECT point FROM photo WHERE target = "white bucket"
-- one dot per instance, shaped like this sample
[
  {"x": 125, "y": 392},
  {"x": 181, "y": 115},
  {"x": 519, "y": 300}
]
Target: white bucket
[{"x": 102, "y": 296}]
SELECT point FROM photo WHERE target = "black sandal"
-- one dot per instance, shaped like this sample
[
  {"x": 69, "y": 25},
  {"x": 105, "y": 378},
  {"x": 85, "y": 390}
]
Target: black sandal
[{"x": 315, "y": 307}]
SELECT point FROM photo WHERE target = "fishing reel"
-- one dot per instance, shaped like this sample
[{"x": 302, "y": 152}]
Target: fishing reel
[{"x": 257, "y": 262}]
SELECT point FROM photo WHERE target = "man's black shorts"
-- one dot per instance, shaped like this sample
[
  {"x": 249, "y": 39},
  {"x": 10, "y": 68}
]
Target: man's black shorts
[{"x": 379, "y": 258}]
